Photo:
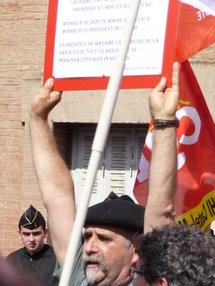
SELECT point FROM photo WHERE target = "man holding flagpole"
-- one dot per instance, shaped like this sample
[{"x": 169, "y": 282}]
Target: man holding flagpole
[{"x": 111, "y": 228}]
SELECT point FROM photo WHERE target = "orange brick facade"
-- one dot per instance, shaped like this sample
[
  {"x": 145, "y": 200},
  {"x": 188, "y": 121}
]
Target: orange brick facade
[{"x": 22, "y": 34}]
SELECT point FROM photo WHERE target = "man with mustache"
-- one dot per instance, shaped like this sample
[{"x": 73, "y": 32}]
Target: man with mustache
[{"x": 111, "y": 228}]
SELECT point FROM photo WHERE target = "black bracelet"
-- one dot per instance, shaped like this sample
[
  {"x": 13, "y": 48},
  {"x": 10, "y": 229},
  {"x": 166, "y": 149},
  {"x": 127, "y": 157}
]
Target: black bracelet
[{"x": 164, "y": 123}]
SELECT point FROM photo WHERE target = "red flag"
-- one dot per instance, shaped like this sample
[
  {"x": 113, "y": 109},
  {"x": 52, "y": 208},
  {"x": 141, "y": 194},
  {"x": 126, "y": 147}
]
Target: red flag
[
  {"x": 195, "y": 195},
  {"x": 207, "y": 6},
  {"x": 196, "y": 31}
]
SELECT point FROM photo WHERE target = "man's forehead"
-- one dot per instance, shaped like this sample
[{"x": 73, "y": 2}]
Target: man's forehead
[
  {"x": 26, "y": 230},
  {"x": 98, "y": 229}
]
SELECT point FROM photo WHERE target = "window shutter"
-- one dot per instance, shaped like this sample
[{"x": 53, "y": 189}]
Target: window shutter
[
  {"x": 118, "y": 161},
  {"x": 118, "y": 166},
  {"x": 83, "y": 139}
]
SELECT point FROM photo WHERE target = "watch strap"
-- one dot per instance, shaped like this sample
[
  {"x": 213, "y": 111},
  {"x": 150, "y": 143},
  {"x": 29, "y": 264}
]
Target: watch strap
[{"x": 164, "y": 123}]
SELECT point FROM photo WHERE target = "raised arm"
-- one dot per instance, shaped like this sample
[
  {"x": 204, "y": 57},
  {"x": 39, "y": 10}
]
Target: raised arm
[
  {"x": 163, "y": 103},
  {"x": 54, "y": 178}
]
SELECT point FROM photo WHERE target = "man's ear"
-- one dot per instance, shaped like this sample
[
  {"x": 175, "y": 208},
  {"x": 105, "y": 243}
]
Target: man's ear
[
  {"x": 46, "y": 231},
  {"x": 135, "y": 259},
  {"x": 162, "y": 281}
]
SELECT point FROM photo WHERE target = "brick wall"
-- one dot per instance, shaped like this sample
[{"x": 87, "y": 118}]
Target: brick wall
[{"x": 22, "y": 38}]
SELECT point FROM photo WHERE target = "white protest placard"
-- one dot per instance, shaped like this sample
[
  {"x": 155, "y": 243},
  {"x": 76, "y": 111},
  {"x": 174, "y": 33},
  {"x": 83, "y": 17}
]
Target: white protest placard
[{"x": 87, "y": 35}]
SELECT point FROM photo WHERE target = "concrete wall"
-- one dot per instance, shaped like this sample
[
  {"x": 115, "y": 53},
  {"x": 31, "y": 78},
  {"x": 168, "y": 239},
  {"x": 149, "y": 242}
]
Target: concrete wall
[{"x": 22, "y": 38}]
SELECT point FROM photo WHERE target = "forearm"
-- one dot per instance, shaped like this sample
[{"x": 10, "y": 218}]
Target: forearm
[
  {"x": 49, "y": 166},
  {"x": 163, "y": 104},
  {"x": 162, "y": 179},
  {"x": 55, "y": 184}
]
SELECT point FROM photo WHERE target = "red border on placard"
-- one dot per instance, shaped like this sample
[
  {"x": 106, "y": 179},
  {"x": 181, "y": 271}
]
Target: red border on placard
[{"x": 97, "y": 83}]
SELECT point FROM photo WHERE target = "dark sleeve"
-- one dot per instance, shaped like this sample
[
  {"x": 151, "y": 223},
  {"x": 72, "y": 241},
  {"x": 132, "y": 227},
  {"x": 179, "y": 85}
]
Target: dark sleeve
[{"x": 78, "y": 276}]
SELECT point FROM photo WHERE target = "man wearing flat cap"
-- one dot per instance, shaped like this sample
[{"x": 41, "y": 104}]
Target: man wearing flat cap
[
  {"x": 108, "y": 253},
  {"x": 36, "y": 257},
  {"x": 107, "y": 256}
]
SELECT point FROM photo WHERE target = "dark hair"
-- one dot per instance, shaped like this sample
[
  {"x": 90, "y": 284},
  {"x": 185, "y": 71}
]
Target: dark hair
[{"x": 184, "y": 255}]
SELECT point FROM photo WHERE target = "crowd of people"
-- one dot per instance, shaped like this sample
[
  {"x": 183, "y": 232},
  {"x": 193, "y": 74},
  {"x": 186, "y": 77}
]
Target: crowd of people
[{"x": 123, "y": 243}]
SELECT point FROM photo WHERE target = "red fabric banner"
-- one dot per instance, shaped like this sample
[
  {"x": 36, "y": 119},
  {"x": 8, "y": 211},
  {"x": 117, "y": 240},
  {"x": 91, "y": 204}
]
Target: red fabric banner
[
  {"x": 207, "y": 6},
  {"x": 195, "y": 195},
  {"x": 196, "y": 31}
]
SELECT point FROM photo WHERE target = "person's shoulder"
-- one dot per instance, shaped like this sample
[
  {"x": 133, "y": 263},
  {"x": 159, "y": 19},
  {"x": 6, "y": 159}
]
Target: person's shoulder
[
  {"x": 48, "y": 250},
  {"x": 17, "y": 252}
]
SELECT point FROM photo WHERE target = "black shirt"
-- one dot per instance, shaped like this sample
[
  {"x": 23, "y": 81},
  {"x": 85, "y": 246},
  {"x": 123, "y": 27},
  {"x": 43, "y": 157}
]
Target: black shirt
[{"x": 41, "y": 264}]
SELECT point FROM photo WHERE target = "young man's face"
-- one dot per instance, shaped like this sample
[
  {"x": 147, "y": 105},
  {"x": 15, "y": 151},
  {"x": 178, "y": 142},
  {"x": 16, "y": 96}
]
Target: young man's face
[
  {"x": 33, "y": 240},
  {"x": 108, "y": 256}
]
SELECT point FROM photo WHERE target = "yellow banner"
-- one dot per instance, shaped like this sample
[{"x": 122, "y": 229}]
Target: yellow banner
[{"x": 202, "y": 215}]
